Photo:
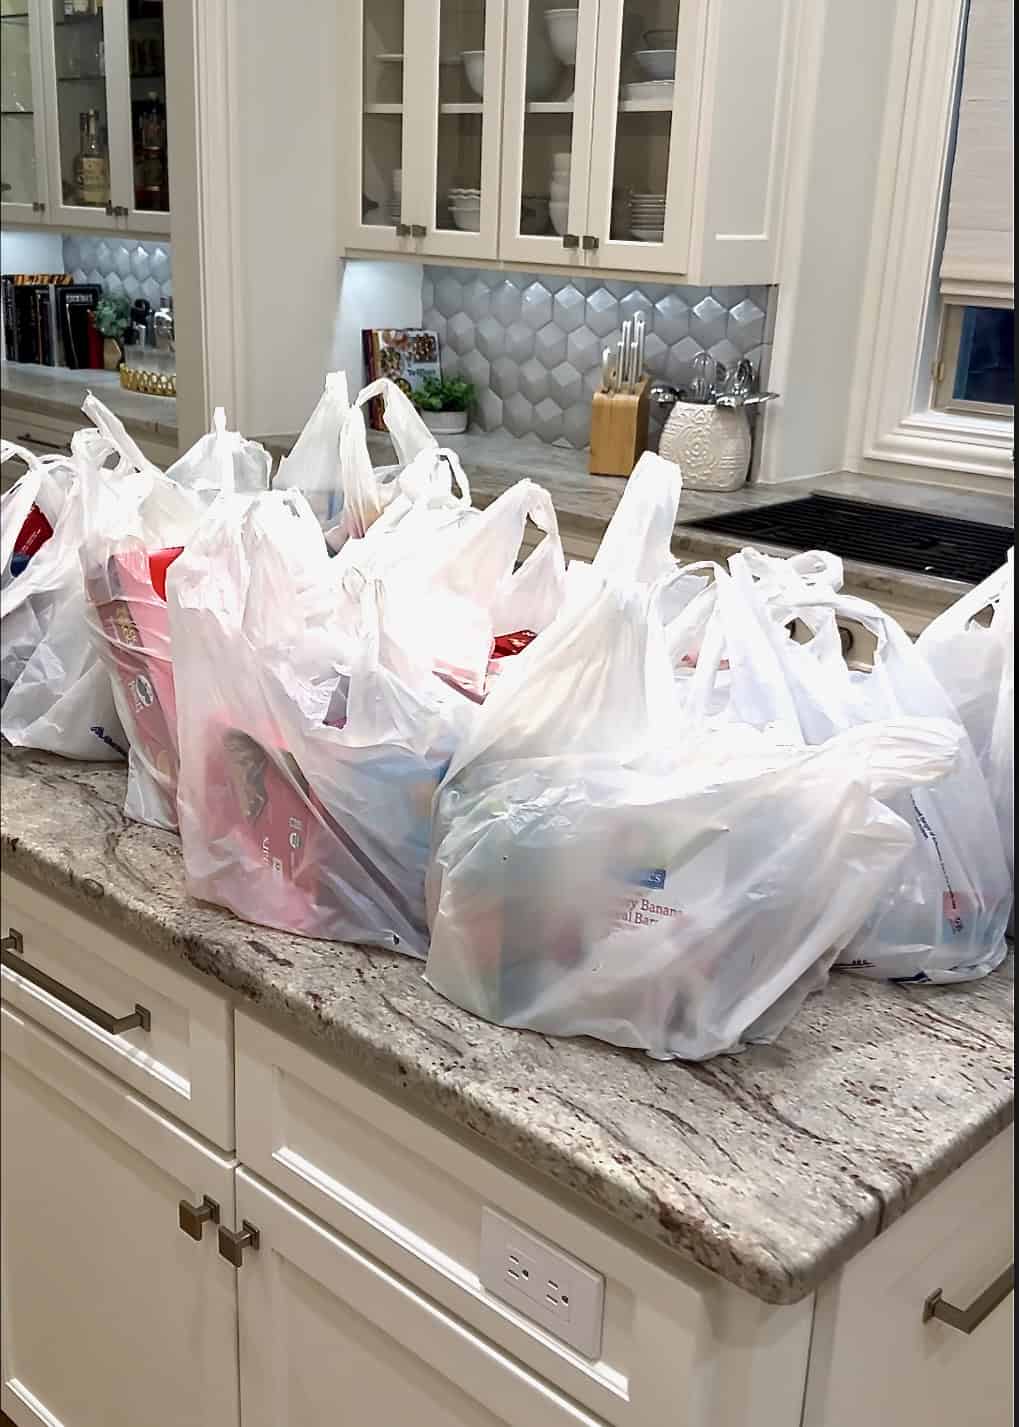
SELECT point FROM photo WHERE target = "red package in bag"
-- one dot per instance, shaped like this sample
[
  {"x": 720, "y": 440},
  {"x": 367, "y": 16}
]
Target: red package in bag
[
  {"x": 34, "y": 533},
  {"x": 133, "y": 618},
  {"x": 508, "y": 644},
  {"x": 259, "y": 819}
]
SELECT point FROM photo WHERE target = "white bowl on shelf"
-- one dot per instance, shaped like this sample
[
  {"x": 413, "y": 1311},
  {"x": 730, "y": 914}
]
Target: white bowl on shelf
[
  {"x": 559, "y": 213},
  {"x": 543, "y": 71},
  {"x": 657, "y": 64},
  {"x": 562, "y": 34},
  {"x": 562, "y": 162},
  {"x": 648, "y": 235},
  {"x": 467, "y": 219},
  {"x": 559, "y": 190},
  {"x": 660, "y": 89},
  {"x": 474, "y": 69}
]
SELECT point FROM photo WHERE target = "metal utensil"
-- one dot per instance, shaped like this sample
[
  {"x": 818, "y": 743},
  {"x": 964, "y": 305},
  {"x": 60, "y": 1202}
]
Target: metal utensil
[
  {"x": 703, "y": 370},
  {"x": 607, "y": 369},
  {"x": 641, "y": 331},
  {"x": 624, "y": 363}
]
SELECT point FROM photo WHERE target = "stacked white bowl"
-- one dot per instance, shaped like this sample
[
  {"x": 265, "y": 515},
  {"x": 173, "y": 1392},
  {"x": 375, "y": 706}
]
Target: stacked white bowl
[
  {"x": 559, "y": 191},
  {"x": 647, "y": 217},
  {"x": 465, "y": 206}
]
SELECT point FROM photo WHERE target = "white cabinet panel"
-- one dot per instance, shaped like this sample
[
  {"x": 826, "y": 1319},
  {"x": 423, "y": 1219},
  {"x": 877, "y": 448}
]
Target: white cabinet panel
[
  {"x": 112, "y": 1316},
  {"x": 183, "y": 1061},
  {"x": 875, "y": 1361},
  {"x": 22, "y": 113},
  {"x": 329, "y": 1335}
]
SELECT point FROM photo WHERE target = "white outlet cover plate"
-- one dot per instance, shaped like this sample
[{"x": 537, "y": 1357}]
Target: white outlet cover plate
[{"x": 550, "y": 1287}]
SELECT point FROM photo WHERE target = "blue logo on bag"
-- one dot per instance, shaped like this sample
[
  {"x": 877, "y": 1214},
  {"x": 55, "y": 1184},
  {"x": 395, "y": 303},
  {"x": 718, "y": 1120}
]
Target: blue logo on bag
[{"x": 653, "y": 877}]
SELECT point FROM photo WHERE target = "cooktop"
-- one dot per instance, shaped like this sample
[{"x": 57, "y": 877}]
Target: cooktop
[{"x": 878, "y": 534}]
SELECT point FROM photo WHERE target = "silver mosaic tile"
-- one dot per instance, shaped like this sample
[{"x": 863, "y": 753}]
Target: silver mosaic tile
[
  {"x": 122, "y": 265},
  {"x": 532, "y": 343}
]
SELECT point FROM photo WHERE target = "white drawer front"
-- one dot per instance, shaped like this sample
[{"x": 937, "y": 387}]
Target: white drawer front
[
  {"x": 875, "y": 1360},
  {"x": 183, "y": 1061},
  {"x": 676, "y": 1347}
]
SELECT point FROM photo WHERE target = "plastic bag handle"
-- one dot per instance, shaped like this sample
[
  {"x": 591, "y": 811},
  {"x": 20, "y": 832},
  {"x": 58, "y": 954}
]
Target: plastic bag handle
[
  {"x": 116, "y": 435},
  {"x": 409, "y": 433},
  {"x": 959, "y": 615}
]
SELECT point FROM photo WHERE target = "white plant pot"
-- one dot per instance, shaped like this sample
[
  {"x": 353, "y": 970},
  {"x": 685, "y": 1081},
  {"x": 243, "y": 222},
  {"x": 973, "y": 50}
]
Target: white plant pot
[
  {"x": 710, "y": 444},
  {"x": 445, "y": 423}
]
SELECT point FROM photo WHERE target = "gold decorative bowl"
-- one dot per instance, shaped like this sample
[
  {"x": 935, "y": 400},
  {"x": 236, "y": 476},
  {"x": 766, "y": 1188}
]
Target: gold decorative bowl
[{"x": 151, "y": 383}]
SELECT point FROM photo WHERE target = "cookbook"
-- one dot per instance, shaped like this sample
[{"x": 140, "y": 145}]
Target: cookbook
[{"x": 406, "y": 355}]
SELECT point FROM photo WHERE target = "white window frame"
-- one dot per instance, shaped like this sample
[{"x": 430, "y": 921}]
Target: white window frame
[{"x": 895, "y": 430}]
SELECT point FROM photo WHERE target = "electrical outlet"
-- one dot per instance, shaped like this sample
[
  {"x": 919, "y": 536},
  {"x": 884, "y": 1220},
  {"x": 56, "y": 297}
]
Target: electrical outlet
[{"x": 547, "y": 1285}]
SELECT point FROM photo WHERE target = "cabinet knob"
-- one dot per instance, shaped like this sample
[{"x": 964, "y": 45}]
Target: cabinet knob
[
  {"x": 232, "y": 1243},
  {"x": 403, "y": 230},
  {"x": 418, "y": 230},
  {"x": 570, "y": 240},
  {"x": 589, "y": 242},
  {"x": 192, "y": 1218}
]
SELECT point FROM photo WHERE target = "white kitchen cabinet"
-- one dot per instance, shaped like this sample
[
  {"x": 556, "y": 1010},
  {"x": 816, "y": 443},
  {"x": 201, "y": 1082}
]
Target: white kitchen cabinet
[
  {"x": 92, "y": 75},
  {"x": 616, "y": 137},
  {"x": 422, "y": 135},
  {"x": 327, "y": 1334},
  {"x": 113, "y": 1317},
  {"x": 22, "y": 121}
]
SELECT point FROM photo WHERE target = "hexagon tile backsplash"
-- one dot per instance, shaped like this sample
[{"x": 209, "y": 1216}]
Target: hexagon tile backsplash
[
  {"x": 127, "y": 265},
  {"x": 532, "y": 343}
]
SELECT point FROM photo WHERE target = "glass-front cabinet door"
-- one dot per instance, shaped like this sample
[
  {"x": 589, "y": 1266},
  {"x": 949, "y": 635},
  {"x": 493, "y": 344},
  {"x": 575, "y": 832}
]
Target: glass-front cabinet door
[
  {"x": 103, "y": 70},
  {"x": 459, "y": 45},
  {"x": 428, "y": 85},
  {"x": 22, "y": 123},
  {"x": 644, "y": 136},
  {"x": 549, "y": 95}
]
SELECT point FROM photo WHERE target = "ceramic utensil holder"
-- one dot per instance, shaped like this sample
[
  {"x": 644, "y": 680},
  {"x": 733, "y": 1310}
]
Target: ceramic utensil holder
[
  {"x": 711, "y": 444},
  {"x": 619, "y": 423}
]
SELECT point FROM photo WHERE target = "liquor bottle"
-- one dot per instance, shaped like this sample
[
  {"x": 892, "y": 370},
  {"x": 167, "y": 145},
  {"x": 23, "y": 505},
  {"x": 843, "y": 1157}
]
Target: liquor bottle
[{"x": 91, "y": 167}]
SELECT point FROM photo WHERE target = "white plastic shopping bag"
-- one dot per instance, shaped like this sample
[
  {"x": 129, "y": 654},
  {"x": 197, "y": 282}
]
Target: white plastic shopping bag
[
  {"x": 31, "y": 508},
  {"x": 367, "y": 490},
  {"x": 311, "y": 743},
  {"x": 943, "y": 916},
  {"x": 974, "y": 664},
  {"x": 597, "y": 873},
  {"x": 58, "y": 696},
  {"x": 129, "y": 546},
  {"x": 313, "y": 465}
]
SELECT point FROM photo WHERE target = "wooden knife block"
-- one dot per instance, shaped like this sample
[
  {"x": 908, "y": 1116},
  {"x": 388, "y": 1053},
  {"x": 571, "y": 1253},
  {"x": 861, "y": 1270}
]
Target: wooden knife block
[{"x": 619, "y": 422}]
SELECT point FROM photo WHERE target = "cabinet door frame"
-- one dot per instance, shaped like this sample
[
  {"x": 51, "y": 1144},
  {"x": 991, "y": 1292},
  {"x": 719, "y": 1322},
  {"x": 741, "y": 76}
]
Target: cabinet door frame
[
  {"x": 481, "y": 1370},
  {"x": 59, "y": 213},
  {"x": 121, "y": 128},
  {"x": 672, "y": 254},
  {"x": 514, "y": 245},
  {"x": 24, "y": 212},
  {"x": 354, "y": 232},
  {"x": 176, "y": 1152},
  {"x": 424, "y": 46}
]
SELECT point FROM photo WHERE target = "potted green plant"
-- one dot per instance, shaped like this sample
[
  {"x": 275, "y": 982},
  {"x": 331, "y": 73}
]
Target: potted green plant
[
  {"x": 113, "y": 316},
  {"x": 444, "y": 404}
]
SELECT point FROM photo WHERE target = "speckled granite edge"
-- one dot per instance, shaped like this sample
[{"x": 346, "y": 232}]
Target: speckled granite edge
[{"x": 770, "y": 1169}]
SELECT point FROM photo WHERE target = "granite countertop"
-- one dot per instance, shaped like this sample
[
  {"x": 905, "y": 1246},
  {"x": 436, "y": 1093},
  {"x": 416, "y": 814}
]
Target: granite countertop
[{"x": 770, "y": 1168}]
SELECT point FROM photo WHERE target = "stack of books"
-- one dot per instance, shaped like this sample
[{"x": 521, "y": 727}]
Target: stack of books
[{"x": 47, "y": 320}]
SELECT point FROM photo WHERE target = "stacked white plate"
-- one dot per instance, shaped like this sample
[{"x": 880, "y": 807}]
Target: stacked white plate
[
  {"x": 647, "y": 216},
  {"x": 661, "y": 89},
  {"x": 465, "y": 206}
]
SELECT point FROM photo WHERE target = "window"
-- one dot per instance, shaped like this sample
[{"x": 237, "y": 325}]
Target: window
[{"x": 975, "y": 370}]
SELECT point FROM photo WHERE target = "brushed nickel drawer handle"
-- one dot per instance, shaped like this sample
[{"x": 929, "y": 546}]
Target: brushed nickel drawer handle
[
  {"x": 232, "y": 1243},
  {"x": 967, "y": 1320},
  {"x": 193, "y": 1218},
  {"x": 10, "y": 954}
]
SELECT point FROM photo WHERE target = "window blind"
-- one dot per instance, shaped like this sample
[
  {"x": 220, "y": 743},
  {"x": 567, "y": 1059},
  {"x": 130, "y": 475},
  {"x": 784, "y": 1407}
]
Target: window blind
[{"x": 976, "y": 266}]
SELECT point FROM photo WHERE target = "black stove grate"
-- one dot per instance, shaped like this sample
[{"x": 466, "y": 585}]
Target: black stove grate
[{"x": 878, "y": 534}]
